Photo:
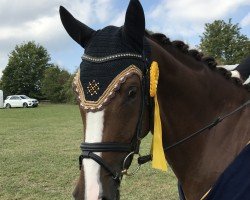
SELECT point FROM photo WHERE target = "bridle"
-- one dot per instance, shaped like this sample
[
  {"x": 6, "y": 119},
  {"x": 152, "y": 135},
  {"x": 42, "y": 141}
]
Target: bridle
[{"x": 89, "y": 150}]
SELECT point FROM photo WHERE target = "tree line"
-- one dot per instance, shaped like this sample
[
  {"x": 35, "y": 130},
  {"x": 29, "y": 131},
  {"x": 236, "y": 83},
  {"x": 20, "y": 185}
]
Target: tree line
[
  {"x": 224, "y": 41},
  {"x": 30, "y": 72}
]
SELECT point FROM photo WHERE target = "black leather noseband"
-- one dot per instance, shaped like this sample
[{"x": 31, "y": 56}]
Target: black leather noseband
[
  {"x": 89, "y": 148},
  {"x": 106, "y": 147}
]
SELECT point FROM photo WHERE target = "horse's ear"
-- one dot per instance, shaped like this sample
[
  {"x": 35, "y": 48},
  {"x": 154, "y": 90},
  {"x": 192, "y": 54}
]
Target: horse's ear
[
  {"x": 134, "y": 26},
  {"x": 76, "y": 29}
]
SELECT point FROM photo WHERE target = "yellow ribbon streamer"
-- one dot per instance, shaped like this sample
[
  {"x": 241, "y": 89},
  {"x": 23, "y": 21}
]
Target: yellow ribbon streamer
[{"x": 158, "y": 161}]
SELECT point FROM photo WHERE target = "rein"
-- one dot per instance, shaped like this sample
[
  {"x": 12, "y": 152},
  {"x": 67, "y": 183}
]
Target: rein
[
  {"x": 210, "y": 125},
  {"x": 147, "y": 158}
]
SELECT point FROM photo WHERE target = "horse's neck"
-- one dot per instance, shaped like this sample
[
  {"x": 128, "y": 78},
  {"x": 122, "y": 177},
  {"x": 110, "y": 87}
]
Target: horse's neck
[{"x": 189, "y": 99}]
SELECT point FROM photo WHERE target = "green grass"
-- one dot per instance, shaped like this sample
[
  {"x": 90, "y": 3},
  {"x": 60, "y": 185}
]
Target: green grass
[{"x": 39, "y": 151}]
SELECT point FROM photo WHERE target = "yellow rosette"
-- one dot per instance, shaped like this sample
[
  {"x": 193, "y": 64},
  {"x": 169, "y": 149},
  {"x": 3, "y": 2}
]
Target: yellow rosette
[{"x": 158, "y": 161}]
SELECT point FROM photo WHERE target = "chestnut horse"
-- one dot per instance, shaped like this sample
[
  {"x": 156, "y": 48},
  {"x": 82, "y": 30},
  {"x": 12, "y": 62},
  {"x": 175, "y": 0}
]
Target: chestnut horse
[{"x": 112, "y": 87}]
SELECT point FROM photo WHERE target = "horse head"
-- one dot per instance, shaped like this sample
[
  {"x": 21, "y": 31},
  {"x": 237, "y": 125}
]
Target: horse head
[{"x": 110, "y": 88}]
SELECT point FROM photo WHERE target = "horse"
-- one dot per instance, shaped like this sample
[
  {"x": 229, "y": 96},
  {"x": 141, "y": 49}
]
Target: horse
[
  {"x": 243, "y": 70},
  {"x": 117, "y": 110}
]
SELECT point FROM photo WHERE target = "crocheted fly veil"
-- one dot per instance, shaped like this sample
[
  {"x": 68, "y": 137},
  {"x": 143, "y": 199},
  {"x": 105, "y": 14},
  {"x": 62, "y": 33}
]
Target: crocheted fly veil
[
  {"x": 106, "y": 64},
  {"x": 111, "y": 55}
]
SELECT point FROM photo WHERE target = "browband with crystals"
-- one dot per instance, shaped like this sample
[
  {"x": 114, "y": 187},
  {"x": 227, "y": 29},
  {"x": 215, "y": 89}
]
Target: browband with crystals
[{"x": 110, "y": 57}]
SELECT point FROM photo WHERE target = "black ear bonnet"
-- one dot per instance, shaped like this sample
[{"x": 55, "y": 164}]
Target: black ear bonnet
[{"x": 111, "y": 55}]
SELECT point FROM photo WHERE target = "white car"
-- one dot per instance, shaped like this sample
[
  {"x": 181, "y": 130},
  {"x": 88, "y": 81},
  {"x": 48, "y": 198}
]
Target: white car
[{"x": 20, "y": 101}]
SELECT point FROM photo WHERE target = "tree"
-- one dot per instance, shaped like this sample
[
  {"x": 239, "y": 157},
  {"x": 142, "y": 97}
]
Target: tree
[
  {"x": 54, "y": 84},
  {"x": 24, "y": 71},
  {"x": 1, "y": 84},
  {"x": 224, "y": 42},
  {"x": 68, "y": 91}
]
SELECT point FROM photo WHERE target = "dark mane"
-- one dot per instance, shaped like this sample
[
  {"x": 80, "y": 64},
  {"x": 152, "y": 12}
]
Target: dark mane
[{"x": 209, "y": 61}]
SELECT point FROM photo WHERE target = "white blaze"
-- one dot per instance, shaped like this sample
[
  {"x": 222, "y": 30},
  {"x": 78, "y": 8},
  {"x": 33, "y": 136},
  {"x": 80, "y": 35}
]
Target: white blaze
[{"x": 94, "y": 132}]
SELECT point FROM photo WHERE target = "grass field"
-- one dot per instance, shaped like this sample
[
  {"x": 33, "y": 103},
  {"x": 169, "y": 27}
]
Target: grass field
[{"x": 39, "y": 149}]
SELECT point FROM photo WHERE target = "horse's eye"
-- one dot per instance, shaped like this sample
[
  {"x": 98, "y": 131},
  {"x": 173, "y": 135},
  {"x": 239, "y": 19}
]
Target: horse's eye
[{"x": 132, "y": 92}]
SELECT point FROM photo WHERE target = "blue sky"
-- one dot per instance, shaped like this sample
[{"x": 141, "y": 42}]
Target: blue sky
[{"x": 25, "y": 20}]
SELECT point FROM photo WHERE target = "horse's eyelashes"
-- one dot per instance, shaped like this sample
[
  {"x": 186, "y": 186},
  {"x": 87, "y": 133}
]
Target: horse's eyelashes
[{"x": 132, "y": 92}]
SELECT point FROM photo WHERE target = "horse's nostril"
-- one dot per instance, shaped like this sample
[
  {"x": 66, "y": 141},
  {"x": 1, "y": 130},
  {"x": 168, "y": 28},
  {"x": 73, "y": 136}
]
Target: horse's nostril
[{"x": 102, "y": 198}]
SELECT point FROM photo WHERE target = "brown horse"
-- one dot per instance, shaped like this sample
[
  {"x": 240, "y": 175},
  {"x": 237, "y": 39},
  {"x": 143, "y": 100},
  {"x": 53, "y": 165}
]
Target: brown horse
[{"x": 112, "y": 88}]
